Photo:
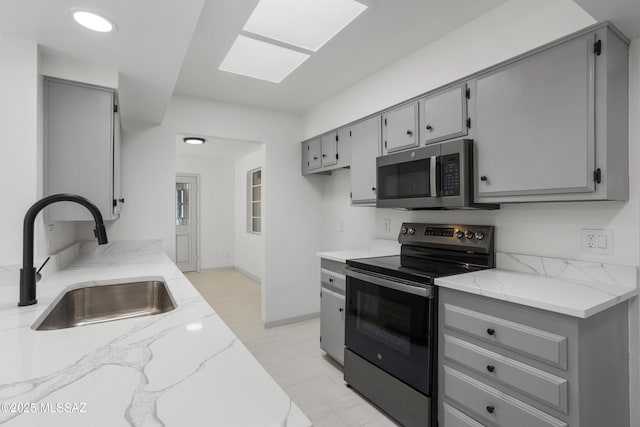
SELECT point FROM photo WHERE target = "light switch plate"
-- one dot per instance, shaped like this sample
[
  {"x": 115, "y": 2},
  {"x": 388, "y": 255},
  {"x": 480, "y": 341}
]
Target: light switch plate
[{"x": 597, "y": 241}]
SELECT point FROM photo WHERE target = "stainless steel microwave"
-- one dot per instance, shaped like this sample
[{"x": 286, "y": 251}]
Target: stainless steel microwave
[{"x": 438, "y": 176}]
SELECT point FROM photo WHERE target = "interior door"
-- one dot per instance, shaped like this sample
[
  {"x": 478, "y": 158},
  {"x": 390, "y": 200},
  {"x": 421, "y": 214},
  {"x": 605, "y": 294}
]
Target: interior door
[{"x": 187, "y": 222}]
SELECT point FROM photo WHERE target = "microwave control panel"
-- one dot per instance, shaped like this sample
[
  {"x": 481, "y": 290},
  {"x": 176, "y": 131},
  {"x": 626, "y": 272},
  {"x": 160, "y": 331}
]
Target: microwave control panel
[{"x": 450, "y": 165}]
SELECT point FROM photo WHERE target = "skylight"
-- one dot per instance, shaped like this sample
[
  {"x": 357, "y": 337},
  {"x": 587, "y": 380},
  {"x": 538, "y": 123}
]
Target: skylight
[
  {"x": 260, "y": 60},
  {"x": 308, "y": 24}
]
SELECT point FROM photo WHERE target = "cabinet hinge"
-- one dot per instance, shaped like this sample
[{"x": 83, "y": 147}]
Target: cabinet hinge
[
  {"x": 385, "y": 145},
  {"x": 385, "y": 122},
  {"x": 350, "y": 133},
  {"x": 597, "y": 47},
  {"x": 320, "y": 339},
  {"x": 337, "y": 156},
  {"x": 597, "y": 176},
  {"x": 337, "y": 138},
  {"x": 468, "y": 122},
  {"x": 115, "y": 203},
  {"x": 115, "y": 108},
  {"x": 468, "y": 93},
  {"x": 351, "y": 195}
]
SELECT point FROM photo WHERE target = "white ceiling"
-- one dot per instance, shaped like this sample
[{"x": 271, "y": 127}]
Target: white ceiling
[
  {"x": 625, "y": 14},
  {"x": 230, "y": 149},
  {"x": 164, "y": 46},
  {"x": 147, "y": 50},
  {"x": 382, "y": 34}
]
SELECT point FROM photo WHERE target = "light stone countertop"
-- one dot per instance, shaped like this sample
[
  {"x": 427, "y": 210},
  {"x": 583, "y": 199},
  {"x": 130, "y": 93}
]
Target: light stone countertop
[
  {"x": 379, "y": 247},
  {"x": 181, "y": 368},
  {"x": 575, "y": 288}
]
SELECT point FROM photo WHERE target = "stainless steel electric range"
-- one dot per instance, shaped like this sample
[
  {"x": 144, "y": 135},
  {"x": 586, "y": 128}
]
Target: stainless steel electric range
[{"x": 391, "y": 315}]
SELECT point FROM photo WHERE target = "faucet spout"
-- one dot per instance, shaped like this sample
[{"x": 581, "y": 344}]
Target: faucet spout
[{"x": 28, "y": 271}]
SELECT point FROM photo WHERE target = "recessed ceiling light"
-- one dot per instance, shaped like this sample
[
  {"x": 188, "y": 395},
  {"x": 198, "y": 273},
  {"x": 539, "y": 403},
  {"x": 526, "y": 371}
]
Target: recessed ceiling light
[
  {"x": 260, "y": 60},
  {"x": 92, "y": 21},
  {"x": 305, "y": 23},
  {"x": 194, "y": 140}
]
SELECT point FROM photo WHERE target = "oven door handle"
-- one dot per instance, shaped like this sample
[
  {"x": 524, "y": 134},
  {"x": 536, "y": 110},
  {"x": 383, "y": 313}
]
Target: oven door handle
[{"x": 391, "y": 284}]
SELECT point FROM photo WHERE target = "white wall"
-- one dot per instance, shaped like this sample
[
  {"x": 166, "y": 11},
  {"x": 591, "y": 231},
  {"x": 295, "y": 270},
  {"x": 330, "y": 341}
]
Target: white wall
[
  {"x": 216, "y": 210},
  {"x": 148, "y": 187},
  {"x": 292, "y": 204},
  {"x": 21, "y": 151},
  {"x": 249, "y": 256}
]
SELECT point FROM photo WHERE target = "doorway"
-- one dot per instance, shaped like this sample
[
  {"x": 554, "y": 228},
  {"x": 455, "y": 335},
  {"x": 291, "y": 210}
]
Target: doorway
[{"x": 187, "y": 222}]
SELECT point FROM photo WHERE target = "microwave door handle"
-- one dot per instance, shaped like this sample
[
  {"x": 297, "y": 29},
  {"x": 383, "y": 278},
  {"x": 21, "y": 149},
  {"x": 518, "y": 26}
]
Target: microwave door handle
[{"x": 432, "y": 177}]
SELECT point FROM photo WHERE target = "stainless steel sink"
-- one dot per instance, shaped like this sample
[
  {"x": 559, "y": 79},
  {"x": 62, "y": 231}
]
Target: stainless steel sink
[{"x": 103, "y": 303}]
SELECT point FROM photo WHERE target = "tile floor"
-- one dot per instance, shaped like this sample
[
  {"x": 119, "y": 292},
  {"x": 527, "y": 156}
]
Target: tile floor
[{"x": 291, "y": 354}]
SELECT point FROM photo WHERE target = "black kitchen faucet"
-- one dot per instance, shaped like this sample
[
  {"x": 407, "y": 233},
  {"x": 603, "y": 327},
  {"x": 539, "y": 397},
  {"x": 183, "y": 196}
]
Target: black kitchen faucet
[{"x": 28, "y": 271}]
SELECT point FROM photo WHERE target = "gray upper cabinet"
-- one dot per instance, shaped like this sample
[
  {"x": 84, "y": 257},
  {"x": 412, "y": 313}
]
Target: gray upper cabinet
[
  {"x": 444, "y": 115},
  {"x": 312, "y": 154},
  {"x": 327, "y": 152},
  {"x": 365, "y": 147},
  {"x": 552, "y": 125},
  {"x": 400, "y": 129},
  {"x": 81, "y": 148}
]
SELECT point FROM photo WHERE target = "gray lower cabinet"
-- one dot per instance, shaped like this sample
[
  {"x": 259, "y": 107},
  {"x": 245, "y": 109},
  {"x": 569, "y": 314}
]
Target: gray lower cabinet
[
  {"x": 443, "y": 115},
  {"x": 332, "y": 304},
  {"x": 365, "y": 147},
  {"x": 552, "y": 125},
  {"x": 502, "y": 365},
  {"x": 81, "y": 148},
  {"x": 400, "y": 128}
]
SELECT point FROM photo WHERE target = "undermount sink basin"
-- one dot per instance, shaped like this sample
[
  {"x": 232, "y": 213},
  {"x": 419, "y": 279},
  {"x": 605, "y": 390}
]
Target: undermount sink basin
[{"x": 103, "y": 303}]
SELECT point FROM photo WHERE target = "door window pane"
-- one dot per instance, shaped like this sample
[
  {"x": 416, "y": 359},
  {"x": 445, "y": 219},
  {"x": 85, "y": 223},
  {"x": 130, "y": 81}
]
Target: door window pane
[
  {"x": 182, "y": 203},
  {"x": 254, "y": 203}
]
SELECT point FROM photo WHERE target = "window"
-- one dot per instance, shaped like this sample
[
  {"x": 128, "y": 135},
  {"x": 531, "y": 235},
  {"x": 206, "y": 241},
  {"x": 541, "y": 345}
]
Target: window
[{"x": 254, "y": 211}]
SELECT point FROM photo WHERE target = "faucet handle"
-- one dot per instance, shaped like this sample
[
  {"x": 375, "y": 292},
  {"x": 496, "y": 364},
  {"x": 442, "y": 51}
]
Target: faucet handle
[{"x": 38, "y": 275}]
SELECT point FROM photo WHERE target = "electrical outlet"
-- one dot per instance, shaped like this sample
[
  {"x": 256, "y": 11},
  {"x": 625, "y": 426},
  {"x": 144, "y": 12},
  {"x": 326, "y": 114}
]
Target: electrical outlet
[
  {"x": 597, "y": 241},
  {"x": 387, "y": 225}
]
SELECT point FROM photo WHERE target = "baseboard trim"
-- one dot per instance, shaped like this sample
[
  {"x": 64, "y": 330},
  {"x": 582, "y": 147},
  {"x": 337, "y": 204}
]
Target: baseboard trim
[
  {"x": 249, "y": 275},
  {"x": 290, "y": 320}
]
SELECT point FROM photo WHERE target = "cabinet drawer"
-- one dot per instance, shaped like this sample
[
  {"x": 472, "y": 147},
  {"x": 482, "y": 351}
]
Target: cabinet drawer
[
  {"x": 547, "y": 388},
  {"x": 333, "y": 280},
  {"x": 531, "y": 342},
  {"x": 493, "y": 405},
  {"x": 454, "y": 418}
]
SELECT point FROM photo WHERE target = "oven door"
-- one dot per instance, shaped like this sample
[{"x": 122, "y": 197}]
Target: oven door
[{"x": 391, "y": 323}]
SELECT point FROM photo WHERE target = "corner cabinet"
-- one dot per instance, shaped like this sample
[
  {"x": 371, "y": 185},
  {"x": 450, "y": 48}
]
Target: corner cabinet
[
  {"x": 552, "y": 125},
  {"x": 502, "y": 365},
  {"x": 81, "y": 148}
]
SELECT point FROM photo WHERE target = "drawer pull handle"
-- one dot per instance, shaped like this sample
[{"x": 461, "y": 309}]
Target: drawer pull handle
[
  {"x": 491, "y": 368},
  {"x": 490, "y": 409},
  {"x": 341, "y": 310},
  {"x": 491, "y": 331}
]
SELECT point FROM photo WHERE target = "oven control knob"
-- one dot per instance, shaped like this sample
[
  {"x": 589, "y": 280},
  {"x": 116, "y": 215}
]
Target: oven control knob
[
  {"x": 479, "y": 235},
  {"x": 459, "y": 234},
  {"x": 468, "y": 234},
  {"x": 412, "y": 231},
  {"x": 404, "y": 230}
]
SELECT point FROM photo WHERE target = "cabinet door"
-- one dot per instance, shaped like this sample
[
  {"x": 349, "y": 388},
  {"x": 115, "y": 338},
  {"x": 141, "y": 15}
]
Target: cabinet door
[
  {"x": 400, "y": 129},
  {"x": 344, "y": 147},
  {"x": 78, "y": 148},
  {"x": 365, "y": 147},
  {"x": 118, "y": 200},
  {"x": 332, "y": 324},
  {"x": 314, "y": 154},
  {"x": 535, "y": 124},
  {"x": 329, "y": 149},
  {"x": 444, "y": 115}
]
